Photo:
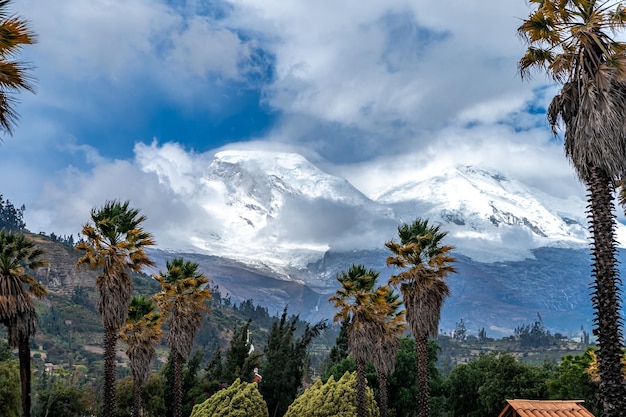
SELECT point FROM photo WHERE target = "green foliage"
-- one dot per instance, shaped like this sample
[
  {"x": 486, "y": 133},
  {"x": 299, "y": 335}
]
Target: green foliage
[
  {"x": 241, "y": 399},
  {"x": 285, "y": 362},
  {"x": 534, "y": 335},
  {"x": 153, "y": 396},
  {"x": 571, "y": 381},
  {"x": 402, "y": 384},
  {"x": 214, "y": 368},
  {"x": 191, "y": 385},
  {"x": 240, "y": 362},
  {"x": 66, "y": 401},
  {"x": 5, "y": 352},
  {"x": 481, "y": 387},
  {"x": 332, "y": 399},
  {"x": 9, "y": 388},
  {"x": 11, "y": 219}
]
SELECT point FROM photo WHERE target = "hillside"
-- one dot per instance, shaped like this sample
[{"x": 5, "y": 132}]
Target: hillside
[{"x": 70, "y": 327}]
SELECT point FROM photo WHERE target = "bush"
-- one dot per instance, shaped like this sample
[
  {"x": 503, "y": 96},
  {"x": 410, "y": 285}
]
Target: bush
[
  {"x": 332, "y": 399},
  {"x": 9, "y": 388},
  {"x": 241, "y": 399}
]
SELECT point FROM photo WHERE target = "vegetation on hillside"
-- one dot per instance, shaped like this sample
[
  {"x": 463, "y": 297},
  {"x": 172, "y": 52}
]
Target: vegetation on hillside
[{"x": 288, "y": 354}]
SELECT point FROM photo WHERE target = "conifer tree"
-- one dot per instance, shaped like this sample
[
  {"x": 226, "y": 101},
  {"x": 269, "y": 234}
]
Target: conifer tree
[
  {"x": 285, "y": 362},
  {"x": 240, "y": 359}
]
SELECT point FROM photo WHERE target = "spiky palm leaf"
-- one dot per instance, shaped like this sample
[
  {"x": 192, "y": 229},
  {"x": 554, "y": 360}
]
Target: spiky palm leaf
[
  {"x": 15, "y": 32},
  {"x": 141, "y": 333},
  {"x": 365, "y": 308},
  {"x": 427, "y": 265},
  {"x": 388, "y": 343},
  {"x": 183, "y": 299},
  {"x": 19, "y": 256},
  {"x": 115, "y": 244}
]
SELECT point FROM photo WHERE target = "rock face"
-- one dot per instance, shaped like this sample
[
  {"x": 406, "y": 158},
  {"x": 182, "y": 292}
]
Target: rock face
[{"x": 61, "y": 275}]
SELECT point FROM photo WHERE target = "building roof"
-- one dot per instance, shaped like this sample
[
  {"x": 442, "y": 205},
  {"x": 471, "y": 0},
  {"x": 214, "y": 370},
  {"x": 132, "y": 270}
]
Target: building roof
[{"x": 545, "y": 408}]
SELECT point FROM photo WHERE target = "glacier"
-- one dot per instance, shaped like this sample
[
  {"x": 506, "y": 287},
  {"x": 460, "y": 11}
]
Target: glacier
[{"x": 278, "y": 229}]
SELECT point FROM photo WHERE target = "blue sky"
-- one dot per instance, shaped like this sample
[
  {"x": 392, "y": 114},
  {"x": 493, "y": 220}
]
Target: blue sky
[{"x": 358, "y": 86}]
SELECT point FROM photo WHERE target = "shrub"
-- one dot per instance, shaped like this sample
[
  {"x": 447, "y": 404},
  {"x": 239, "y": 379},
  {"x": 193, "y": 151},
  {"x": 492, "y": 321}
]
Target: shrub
[
  {"x": 241, "y": 399},
  {"x": 332, "y": 399}
]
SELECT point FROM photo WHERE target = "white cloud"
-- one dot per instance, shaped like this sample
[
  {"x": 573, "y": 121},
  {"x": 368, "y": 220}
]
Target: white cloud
[
  {"x": 403, "y": 87},
  {"x": 378, "y": 64}
]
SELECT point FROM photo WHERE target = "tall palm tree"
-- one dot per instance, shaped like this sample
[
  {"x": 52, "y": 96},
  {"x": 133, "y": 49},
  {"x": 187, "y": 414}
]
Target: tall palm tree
[
  {"x": 141, "y": 332},
  {"x": 19, "y": 256},
  {"x": 115, "y": 245},
  {"x": 572, "y": 41},
  {"x": 365, "y": 308},
  {"x": 183, "y": 299},
  {"x": 427, "y": 263},
  {"x": 387, "y": 345},
  {"x": 14, "y": 33}
]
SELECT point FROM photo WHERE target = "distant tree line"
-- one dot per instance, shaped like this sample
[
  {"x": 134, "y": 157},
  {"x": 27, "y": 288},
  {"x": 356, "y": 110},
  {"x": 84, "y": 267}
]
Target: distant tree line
[{"x": 11, "y": 218}]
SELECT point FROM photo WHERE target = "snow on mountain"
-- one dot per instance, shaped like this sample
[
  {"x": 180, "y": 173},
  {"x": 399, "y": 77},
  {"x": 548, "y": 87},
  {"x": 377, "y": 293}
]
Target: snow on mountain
[
  {"x": 280, "y": 212},
  {"x": 490, "y": 216},
  {"x": 278, "y": 229}
]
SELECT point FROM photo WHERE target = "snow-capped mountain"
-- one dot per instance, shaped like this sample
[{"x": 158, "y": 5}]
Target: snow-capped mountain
[
  {"x": 278, "y": 229},
  {"x": 280, "y": 211},
  {"x": 490, "y": 216}
]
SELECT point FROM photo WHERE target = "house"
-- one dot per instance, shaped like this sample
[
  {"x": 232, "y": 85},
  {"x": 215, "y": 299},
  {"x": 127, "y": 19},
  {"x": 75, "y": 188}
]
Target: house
[{"x": 545, "y": 408}]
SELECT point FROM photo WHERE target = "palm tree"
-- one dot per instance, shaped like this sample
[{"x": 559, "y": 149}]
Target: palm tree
[
  {"x": 387, "y": 345},
  {"x": 116, "y": 246},
  {"x": 14, "y": 33},
  {"x": 365, "y": 308},
  {"x": 424, "y": 288},
  {"x": 141, "y": 332},
  {"x": 571, "y": 40},
  {"x": 18, "y": 256},
  {"x": 183, "y": 299}
]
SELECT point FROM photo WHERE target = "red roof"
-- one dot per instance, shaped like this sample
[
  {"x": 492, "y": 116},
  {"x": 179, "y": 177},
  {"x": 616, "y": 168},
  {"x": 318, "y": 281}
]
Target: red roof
[{"x": 545, "y": 408}]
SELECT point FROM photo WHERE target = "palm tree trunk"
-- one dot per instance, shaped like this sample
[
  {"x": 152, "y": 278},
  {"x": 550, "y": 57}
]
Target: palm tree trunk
[
  {"x": 360, "y": 388},
  {"x": 177, "y": 410},
  {"x": 382, "y": 390},
  {"x": 24, "y": 357},
  {"x": 422, "y": 399},
  {"x": 109, "y": 398},
  {"x": 605, "y": 296},
  {"x": 137, "y": 400}
]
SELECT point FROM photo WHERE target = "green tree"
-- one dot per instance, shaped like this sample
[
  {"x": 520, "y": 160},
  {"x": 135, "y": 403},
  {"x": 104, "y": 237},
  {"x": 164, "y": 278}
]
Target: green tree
[
  {"x": 332, "y": 399},
  {"x": 14, "y": 33},
  {"x": 481, "y": 387},
  {"x": 570, "y": 380},
  {"x": 285, "y": 362},
  {"x": 240, "y": 358},
  {"x": 182, "y": 298},
  {"x": 9, "y": 388},
  {"x": 141, "y": 333},
  {"x": 11, "y": 218},
  {"x": 67, "y": 401},
  {"x": 241, "y": 399},
  {"x": 573, "y": 42},
  {"x": 365, "y": 306},
  {"x": 427, "y": 263},
  {"x": 214, "y": 368},
  {"x": 18, "y": 257},
  {"x": 153, "y": 392},
  {"x": 115, "y": 244}
]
